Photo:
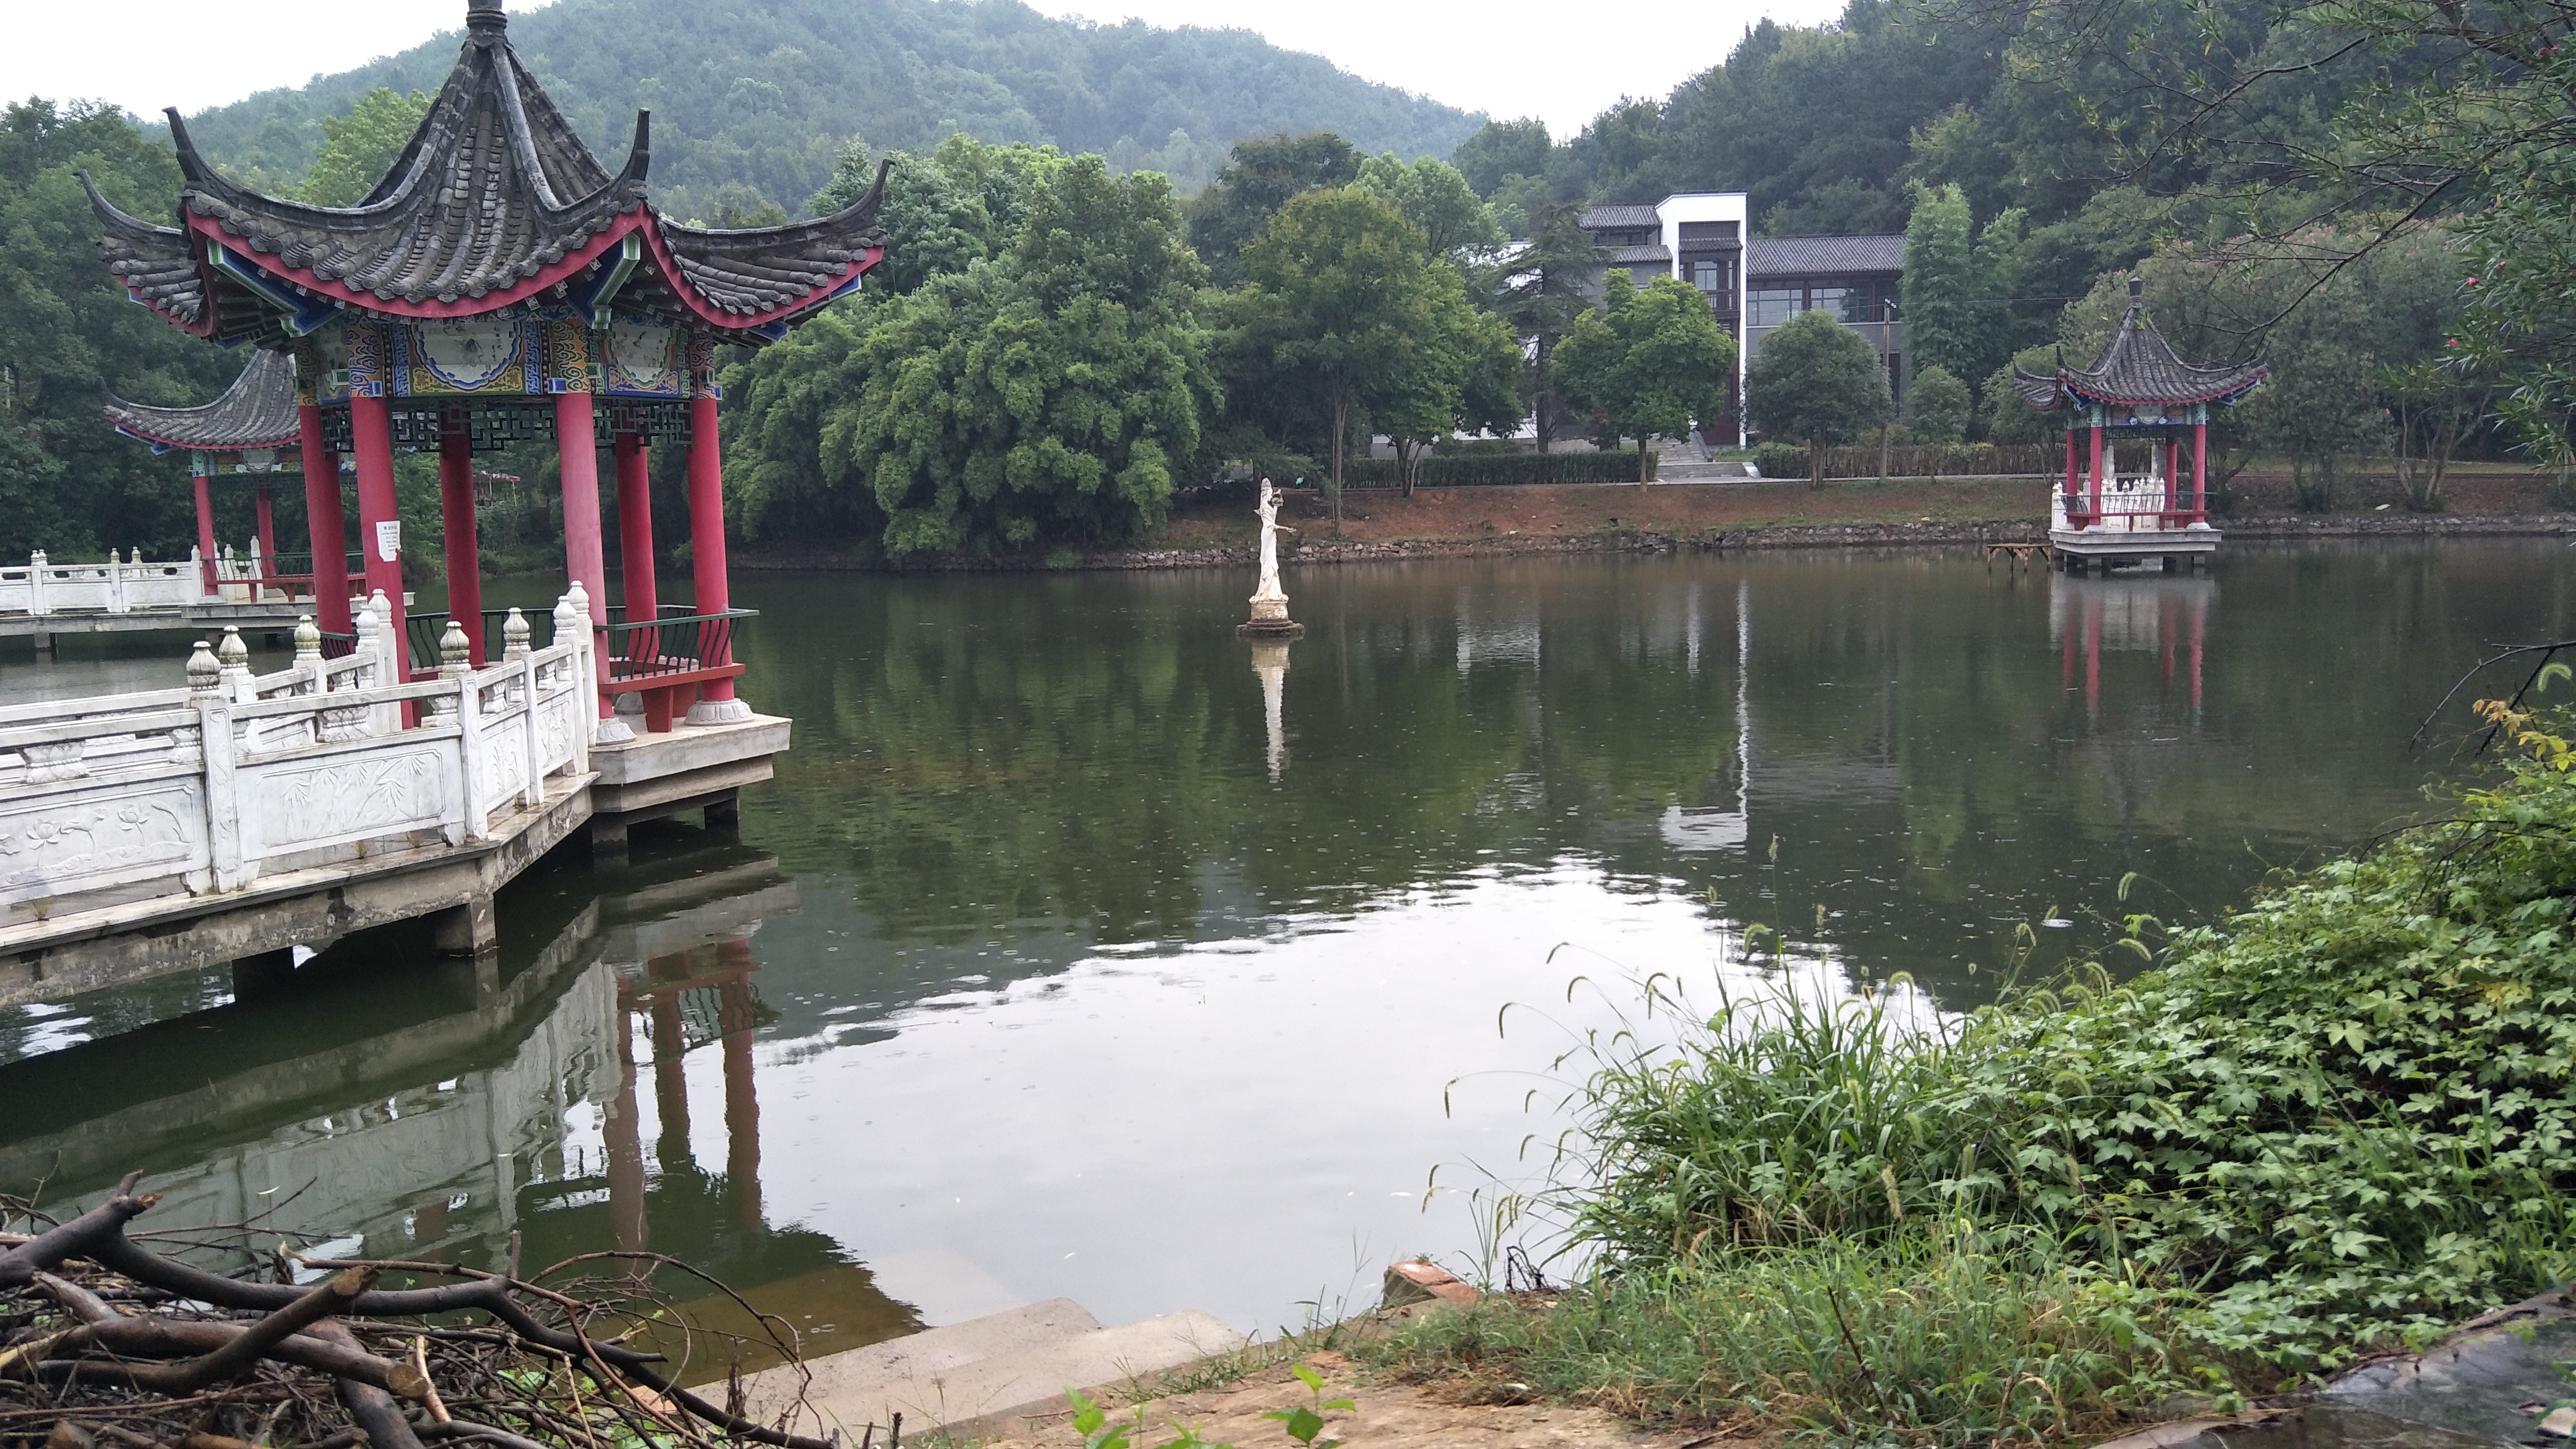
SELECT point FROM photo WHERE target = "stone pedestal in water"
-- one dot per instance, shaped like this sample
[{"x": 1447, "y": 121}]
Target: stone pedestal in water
[{"x": 1269, "y": 602}]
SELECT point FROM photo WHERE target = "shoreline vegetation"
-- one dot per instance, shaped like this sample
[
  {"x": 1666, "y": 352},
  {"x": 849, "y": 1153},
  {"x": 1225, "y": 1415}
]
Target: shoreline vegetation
[
  {"x": 2333, "y": 1125},
  {"x": 1712, "y": 516}
]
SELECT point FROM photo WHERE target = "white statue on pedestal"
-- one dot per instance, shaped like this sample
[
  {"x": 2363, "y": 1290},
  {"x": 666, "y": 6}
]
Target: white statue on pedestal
[
  {"x": 1268, "y": 508},
  {"x": 1269, "y": 601}
]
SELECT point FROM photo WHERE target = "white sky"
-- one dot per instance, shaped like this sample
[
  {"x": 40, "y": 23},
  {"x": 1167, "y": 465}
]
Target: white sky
[{"x": 1508, "y": 57}]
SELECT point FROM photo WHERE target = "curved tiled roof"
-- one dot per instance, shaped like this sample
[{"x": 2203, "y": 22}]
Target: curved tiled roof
[
  {"x": 257, "y": 411},
  {"x": 157, "y": 264},
  {"x": 493, "y": 189},
  {"x": 760, "y": 269},
  {"x": 494, "y": 200},
  {"x": 2139, "y": 366}
]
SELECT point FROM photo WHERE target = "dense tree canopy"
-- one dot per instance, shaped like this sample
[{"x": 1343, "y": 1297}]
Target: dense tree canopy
[
  {"x": 1344, "y": 302},
  {"x": 360, "y": 147},
  {"x": 1050, "y": 394},
  {"x": 1263, "y": 174},
  {"x": 1815, "y": 382},
  {"x": 1650, "y": 361}
]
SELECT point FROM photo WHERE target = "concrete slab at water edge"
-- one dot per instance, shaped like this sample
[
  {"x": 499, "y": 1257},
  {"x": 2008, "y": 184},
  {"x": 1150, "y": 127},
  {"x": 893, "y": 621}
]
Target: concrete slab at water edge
[
  {"x": 2493, "y": 1378},
  {"x": 861, "y": 1371},
  {"x": 990, "y": 1369}
]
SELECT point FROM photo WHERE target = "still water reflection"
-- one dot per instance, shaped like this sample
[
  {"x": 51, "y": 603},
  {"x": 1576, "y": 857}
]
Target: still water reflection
[{"x": 1081, "y": 949}]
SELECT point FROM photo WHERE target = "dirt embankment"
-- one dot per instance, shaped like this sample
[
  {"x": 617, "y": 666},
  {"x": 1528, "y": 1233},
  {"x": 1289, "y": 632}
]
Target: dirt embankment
[{"x": 1663, "y": 517}]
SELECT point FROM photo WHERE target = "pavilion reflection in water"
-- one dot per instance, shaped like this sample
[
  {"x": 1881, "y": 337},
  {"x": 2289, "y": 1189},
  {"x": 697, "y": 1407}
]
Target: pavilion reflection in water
[
  {"x": 2165, "y": 615},
  {"x": 445, "y": 1123}
]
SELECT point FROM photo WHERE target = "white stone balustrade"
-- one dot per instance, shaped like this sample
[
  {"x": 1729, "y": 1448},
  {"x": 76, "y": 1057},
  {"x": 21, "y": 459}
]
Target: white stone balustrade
[
  {"x": 207, "y": 788},
  {"x": 118, "y": 586}
]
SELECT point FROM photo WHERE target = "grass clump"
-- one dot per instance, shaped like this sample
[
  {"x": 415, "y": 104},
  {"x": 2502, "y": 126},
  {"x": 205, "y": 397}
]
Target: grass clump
[{"x": 2336, "y": 1123}]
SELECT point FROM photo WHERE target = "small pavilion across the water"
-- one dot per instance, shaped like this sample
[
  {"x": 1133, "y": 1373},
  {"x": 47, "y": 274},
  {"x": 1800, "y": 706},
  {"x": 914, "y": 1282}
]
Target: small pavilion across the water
[
  {"x": 250, "y": 431},
  {"x": 2130, "y": 502}
]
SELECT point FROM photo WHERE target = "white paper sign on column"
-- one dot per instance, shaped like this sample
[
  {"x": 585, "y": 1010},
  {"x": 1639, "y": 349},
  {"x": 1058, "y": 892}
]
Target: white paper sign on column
[{"x": 389, "y": 540}]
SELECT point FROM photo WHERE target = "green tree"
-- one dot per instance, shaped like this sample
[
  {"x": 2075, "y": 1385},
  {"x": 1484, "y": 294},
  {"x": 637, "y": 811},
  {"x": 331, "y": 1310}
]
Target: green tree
[
  {"x": 1053, "y": 393},
  {"x": 1263, "y": 175},
  {"x": 1817, "y": 382},
  {"x": 2006, "y": 416},
  {"x": 360, "y": 147},
  {"x": 67, "y": 329},
  {"x": 1953, "y": 313},
  {"x": 1342, "y": 299},
  {"x": 1433, "y": 196},
  {"x": 1651, "y": 360},
  {"x": 1465, "y": 381},
  {"x": 1540, "y": 290},
  {"x": 1937, "y": 406},
  {"x": 1501, "y": 151}
]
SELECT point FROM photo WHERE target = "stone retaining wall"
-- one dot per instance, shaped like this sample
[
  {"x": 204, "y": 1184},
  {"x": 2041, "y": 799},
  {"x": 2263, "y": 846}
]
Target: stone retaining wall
[{"x": 1857, "y": 535}]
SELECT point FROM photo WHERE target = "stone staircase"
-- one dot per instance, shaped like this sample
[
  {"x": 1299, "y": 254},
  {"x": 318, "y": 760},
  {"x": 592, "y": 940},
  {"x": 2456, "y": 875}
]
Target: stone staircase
[{"x": 972, "y": 1378}]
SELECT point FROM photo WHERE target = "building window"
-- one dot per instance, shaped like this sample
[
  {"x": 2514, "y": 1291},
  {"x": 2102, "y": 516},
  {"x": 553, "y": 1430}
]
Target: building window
[
  {"x": 1771, "y": 306},
  {"x": 1827, "y": 299},
  {"x": 1714, "y": 276},
  {"x": 1867, "y": 302}
]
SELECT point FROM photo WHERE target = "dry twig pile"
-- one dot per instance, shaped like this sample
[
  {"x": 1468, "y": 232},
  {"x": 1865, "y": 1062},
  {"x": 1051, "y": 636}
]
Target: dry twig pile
[{"x": 107, "y": 1344}]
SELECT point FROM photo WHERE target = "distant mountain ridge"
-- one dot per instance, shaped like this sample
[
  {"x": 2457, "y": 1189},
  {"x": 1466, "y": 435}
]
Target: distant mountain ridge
[{"x": 763, "y": 93}]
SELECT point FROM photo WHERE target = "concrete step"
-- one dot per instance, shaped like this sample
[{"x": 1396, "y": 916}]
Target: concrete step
[{"x": 976, "y": 1375}]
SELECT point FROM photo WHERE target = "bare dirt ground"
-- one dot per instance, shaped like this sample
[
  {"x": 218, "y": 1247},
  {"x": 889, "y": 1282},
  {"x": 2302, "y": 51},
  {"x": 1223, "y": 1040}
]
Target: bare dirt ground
[{"x": 1387, "y": 1416}]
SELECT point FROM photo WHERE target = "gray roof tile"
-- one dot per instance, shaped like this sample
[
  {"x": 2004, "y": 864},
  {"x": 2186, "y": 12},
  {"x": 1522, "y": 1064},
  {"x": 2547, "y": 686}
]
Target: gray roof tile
[
  {"x": 1822, "y": 256},
  {"x": 2139, "y": 366},
  {"x": 257, "y": 411},
  {"x": 1618, "y": 217}
]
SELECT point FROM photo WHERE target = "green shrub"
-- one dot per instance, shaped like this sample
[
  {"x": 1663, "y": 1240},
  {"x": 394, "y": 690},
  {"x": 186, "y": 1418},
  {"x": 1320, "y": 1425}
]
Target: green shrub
[
  {"x": 1483, "y": 470},
  {"x": 1780, "y": 460},
  {"x": 2342, "y": 1119}
]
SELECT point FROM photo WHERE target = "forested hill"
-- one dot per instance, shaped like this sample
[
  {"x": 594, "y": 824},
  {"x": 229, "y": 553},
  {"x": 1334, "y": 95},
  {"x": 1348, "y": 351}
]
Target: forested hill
[{"x": 764, "y": 93}]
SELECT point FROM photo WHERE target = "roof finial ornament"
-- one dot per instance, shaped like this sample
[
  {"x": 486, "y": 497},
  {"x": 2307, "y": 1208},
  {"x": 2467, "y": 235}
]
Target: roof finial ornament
[
  {"x": 2137, "y": 287},
  {"x": 481, "y": 15}
]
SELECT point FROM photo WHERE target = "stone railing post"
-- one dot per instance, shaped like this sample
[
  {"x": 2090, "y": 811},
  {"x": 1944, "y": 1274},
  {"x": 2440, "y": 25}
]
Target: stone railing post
[
  {"x": 36, "y": 583},
  {"x": 464, "y": 710},
  {"x": 116, "y": 600},
  {"x": 572, "y": 626},
  {"x": 258, "y": 574},
  {"x": 384, "y": 649},
  {"x": 308, "y": 655},
  {"x": 233, "y": 654}
]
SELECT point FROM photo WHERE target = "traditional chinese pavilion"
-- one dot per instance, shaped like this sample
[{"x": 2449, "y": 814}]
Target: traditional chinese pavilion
[
  {"x": 2130, "y": 502},
  {"x": 499, "y": 284},
  {"x": 252, "y": 431}
]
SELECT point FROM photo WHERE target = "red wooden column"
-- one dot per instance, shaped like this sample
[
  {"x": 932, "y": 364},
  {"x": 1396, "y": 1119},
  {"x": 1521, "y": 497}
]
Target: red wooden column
[
  {"x": 2200, "y": 471},
  {"x": 635, "y": 527},
  {"x": 456, "y": 509},
  {"x": 716, "y": 703},
  {"x": 2070, "y": 465},
  {"x": 371, "y": 439},
  {"x": 585, "y": 555},
  {"x": 329, "y": 530},
  {"x": 205, "y": 522},
  {"x": 267, "y": 530},
  {"x": 2096, "y": 505}
]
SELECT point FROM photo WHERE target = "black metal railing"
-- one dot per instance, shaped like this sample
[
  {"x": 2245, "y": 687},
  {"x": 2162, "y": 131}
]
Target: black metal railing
[
  {"x": 423, "y": 631},
  {"x": 670, "y": 646}
]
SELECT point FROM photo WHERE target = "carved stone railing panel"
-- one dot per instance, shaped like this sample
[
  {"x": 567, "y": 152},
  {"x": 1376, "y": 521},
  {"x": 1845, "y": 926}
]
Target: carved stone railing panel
[{"x": 203, "y": 787}]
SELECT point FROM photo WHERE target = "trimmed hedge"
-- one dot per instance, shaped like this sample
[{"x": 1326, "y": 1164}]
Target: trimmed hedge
[
  {"x": 1957, "y": 460},
  {"x": 1491, "y": 470}
]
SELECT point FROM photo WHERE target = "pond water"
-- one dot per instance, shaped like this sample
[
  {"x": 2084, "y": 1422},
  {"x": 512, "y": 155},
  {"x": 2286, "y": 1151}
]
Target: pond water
[{"x": 1080, "y": 948}]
